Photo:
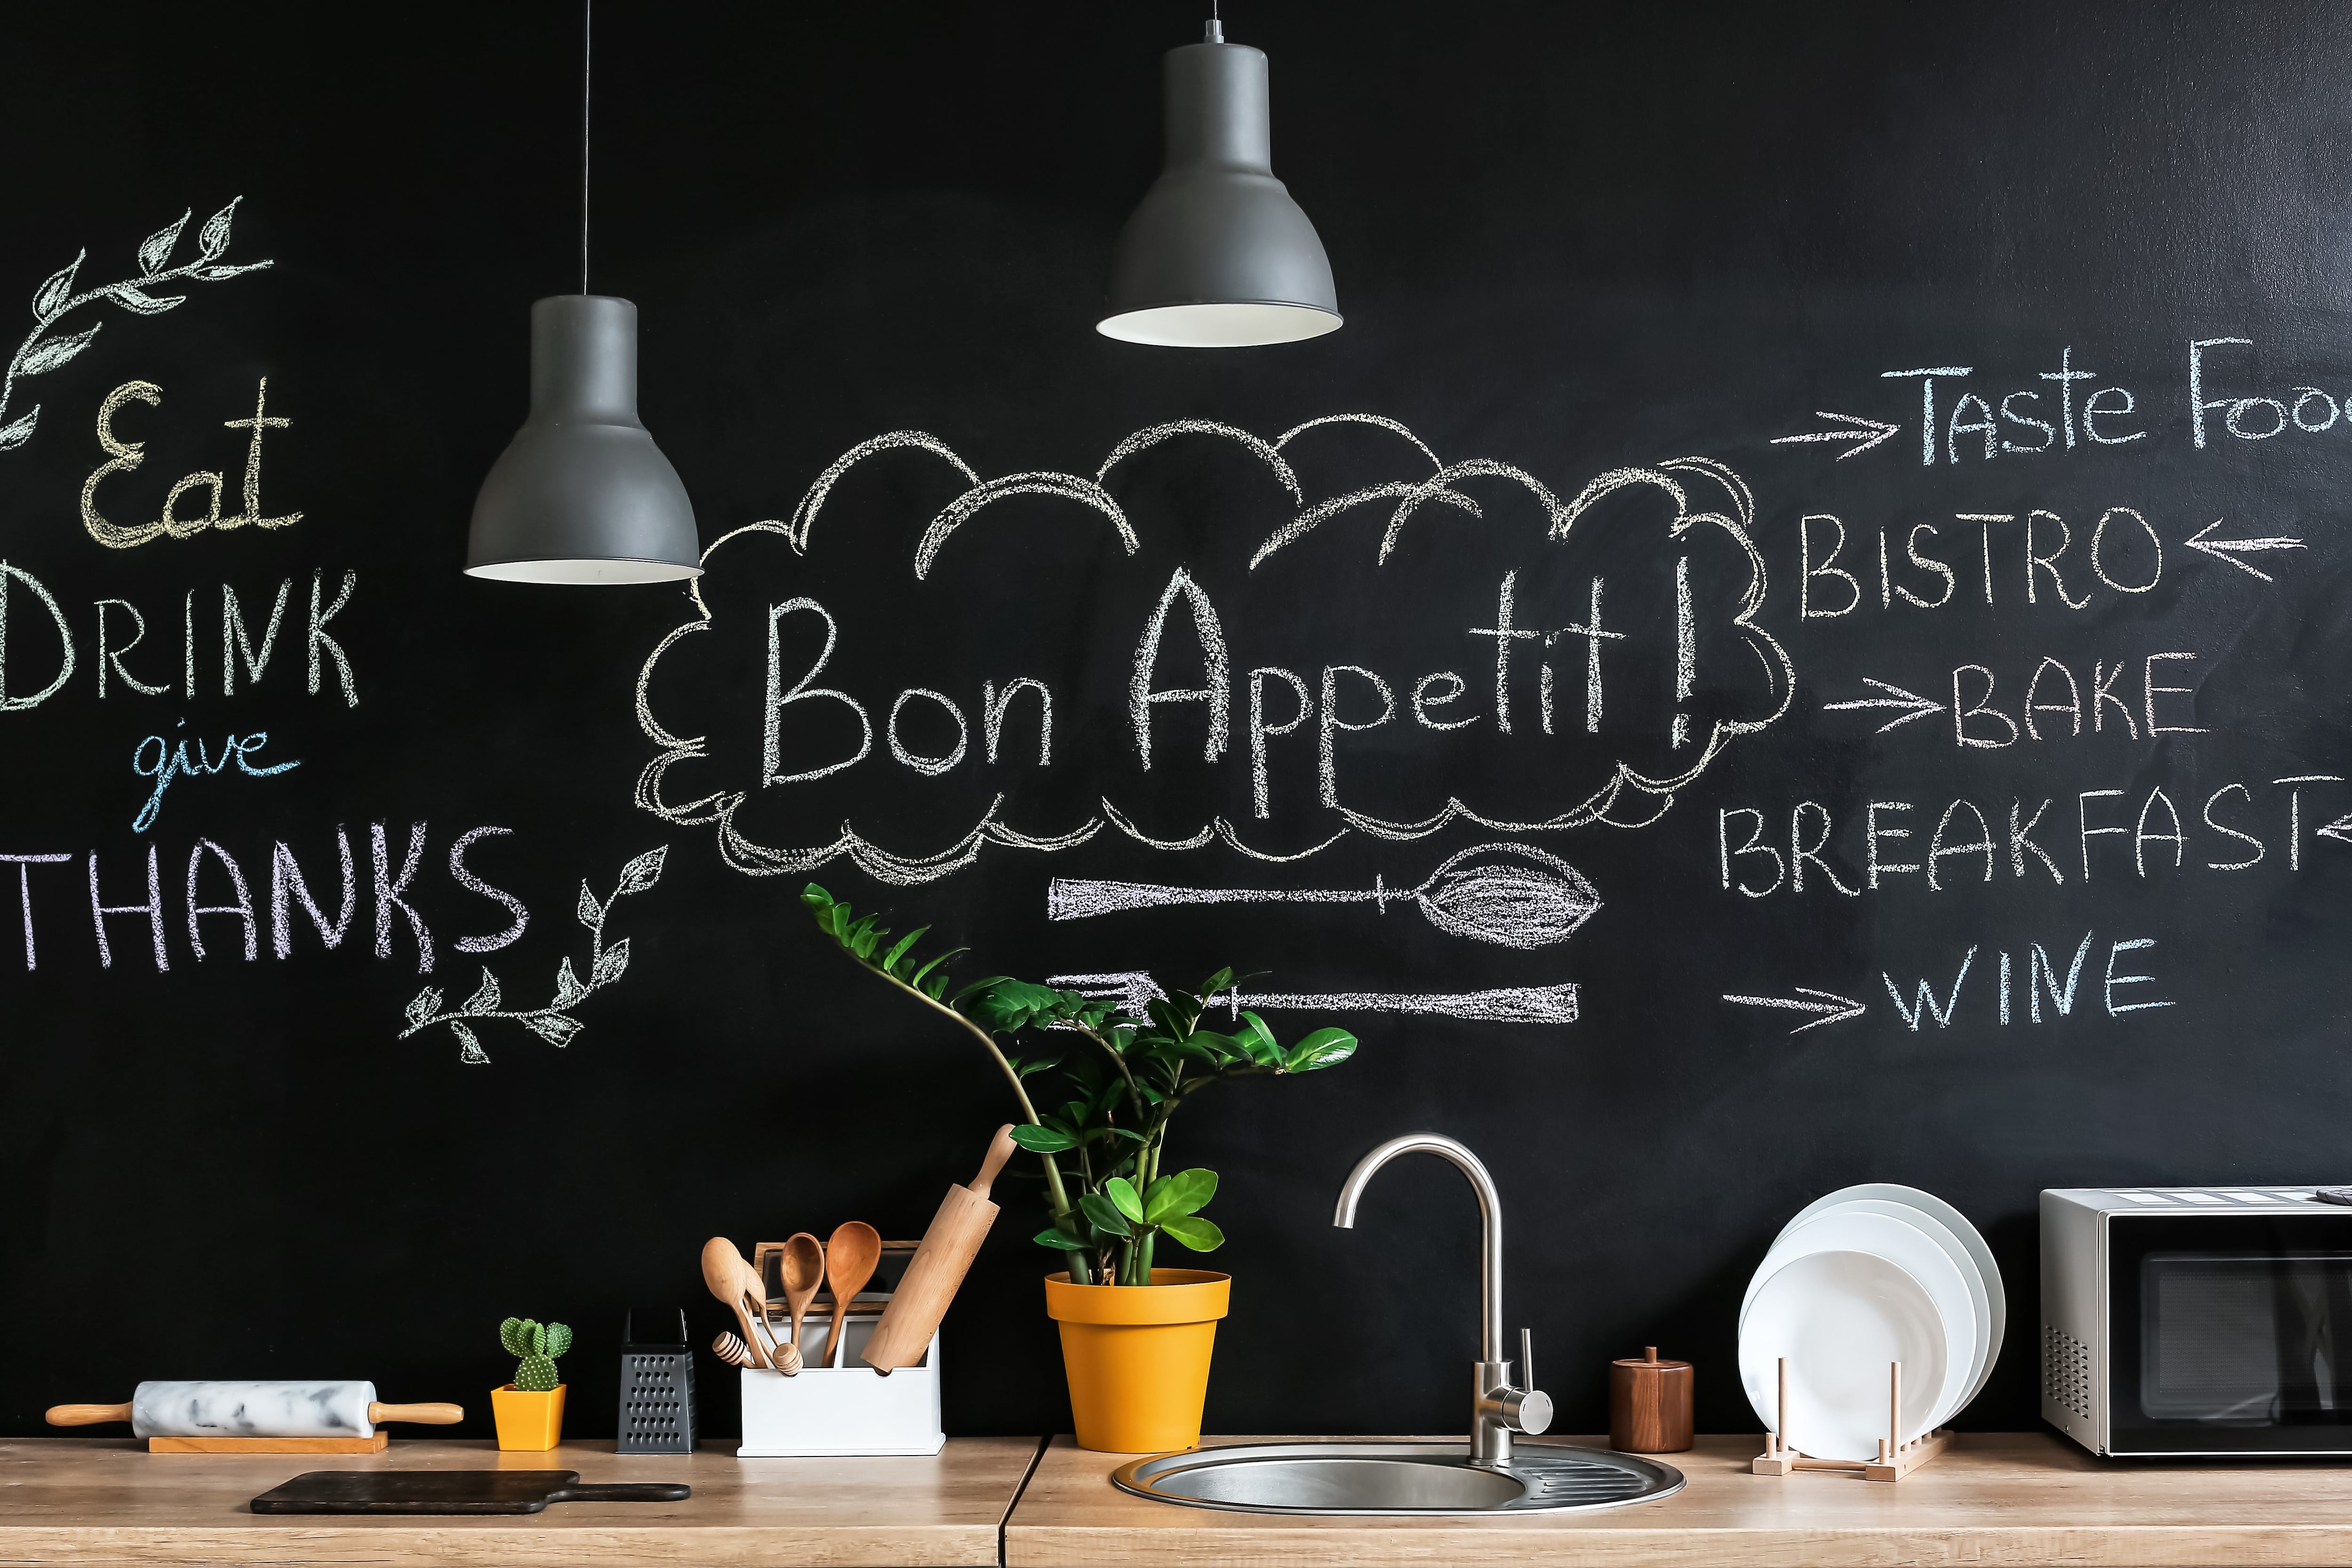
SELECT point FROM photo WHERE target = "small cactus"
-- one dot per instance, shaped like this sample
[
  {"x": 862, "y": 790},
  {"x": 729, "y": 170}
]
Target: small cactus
[{"x": 536, "y": 1347}]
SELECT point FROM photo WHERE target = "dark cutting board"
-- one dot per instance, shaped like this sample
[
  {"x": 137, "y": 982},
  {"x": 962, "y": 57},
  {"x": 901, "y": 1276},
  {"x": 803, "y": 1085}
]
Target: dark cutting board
[{"x": 451, "y": 1491}]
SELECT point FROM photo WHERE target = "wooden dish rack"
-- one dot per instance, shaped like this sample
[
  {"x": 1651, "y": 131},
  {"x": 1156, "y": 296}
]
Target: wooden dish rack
[{"x": 1895, "y": 1458}]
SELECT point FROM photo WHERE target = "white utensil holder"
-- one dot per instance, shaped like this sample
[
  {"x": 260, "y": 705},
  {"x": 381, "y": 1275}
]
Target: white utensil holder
[{"x": 850, "y": 1409}]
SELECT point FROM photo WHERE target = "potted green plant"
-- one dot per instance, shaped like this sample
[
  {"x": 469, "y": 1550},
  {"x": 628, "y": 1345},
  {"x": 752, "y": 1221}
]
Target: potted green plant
[
  {"x": 530, "y": 1410},
  {"x": 1136, "y": 1337}
]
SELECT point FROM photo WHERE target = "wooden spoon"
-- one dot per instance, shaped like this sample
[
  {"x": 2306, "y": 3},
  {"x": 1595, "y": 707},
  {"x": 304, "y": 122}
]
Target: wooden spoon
[
  {"x": 849, "y": 1260},
  {"x": 801, "y": 1271},
  {"x": 722, "y": 1272},
  {"x": 784, "y": 1358}
]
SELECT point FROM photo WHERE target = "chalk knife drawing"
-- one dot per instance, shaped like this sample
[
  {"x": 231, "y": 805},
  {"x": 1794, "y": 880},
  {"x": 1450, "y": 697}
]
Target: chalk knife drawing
[
  {"x": 552, "y": 1023},
  {"x": 55, "y": 299},
  {"x": 1833, "y": 1009},
  {"x": 1510, "y": 895},
  {"x": 1507, "y": 1004}
]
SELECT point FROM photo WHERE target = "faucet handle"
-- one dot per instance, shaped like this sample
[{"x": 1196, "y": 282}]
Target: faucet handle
[{"x": 1527, "y": 1358}]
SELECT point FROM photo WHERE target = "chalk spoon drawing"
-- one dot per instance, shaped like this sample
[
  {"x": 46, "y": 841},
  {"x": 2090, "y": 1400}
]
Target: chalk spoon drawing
[
  {"x": 552, "y": 1023},
  {"x": 55, "y": 299},
  {"x": 1511, "y": 894}
]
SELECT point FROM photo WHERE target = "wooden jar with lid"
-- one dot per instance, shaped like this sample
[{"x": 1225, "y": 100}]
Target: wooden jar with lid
[{"x": 1650, "y": 1404}]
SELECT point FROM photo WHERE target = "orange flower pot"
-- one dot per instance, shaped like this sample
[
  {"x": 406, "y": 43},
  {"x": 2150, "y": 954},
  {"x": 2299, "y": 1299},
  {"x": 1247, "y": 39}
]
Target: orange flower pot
[
  {"x": 1137, "y": 1357},
  {"x": 529, "y": 1420}
]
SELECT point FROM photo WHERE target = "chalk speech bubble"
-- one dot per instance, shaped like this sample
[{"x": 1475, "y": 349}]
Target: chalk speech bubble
[{"x": 1707, "y": 506}]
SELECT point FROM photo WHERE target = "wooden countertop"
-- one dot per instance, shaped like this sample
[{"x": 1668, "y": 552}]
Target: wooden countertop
[
  {"x": 2012, "y": 1499},
  {"x": 91, "y": 1500}
]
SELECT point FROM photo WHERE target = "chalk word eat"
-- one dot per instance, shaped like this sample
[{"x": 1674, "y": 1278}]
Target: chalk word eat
[
  {"x": 2040, "y": 981},
  {"x": 213, "y": 872},
  {"x": 172, "y": 762},
  {"x": 124, "y": 455},
  {"x": 1963, "y": 830}
]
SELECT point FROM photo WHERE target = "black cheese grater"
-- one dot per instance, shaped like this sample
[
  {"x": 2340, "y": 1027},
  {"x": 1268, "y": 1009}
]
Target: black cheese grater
[{"x": 657, "y": 1392}]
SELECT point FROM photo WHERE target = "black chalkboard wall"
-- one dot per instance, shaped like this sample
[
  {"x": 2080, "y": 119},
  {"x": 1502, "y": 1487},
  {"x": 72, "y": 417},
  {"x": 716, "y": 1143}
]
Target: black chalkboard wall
[{"x": 1636, "y": 249}]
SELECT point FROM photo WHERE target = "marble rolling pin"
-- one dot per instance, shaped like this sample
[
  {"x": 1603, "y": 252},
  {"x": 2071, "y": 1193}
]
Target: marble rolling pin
[
  {"x": 932, "y": 1279},
  {"x": 255, "y": 1418}
]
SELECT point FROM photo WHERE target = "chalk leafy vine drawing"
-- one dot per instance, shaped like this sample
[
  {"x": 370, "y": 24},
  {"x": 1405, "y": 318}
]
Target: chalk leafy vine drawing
[
  {"x": 553, "y": 1022},
  {"x": 55, "y": 299}
]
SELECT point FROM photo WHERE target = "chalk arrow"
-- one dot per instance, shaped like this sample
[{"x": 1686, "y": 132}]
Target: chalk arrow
[
  {"x": 1914, "y": 704},
  {"x": 2340, "y": 830},
  {"x": 1868, "y": 432},
  {"x": 2229, "y": 550},
  {"x": 1834, "y": 1008}
]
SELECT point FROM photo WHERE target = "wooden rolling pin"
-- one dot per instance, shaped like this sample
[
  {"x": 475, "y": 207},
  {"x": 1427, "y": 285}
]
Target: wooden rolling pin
[
  {"x": 253, "y": 1410},
  {"x": 932, "y": 1279}
]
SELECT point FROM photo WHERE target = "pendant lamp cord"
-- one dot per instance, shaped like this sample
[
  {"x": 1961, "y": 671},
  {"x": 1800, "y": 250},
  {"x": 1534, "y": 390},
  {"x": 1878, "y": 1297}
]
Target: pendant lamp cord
[{"x": 587, "y": 59}]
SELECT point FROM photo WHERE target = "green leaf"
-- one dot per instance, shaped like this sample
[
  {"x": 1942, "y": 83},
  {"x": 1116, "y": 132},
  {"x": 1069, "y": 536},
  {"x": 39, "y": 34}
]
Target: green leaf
[
  {"x": 1122, "y": 1192},
  {"x": 890, "y": 959},
  {"x": 1324, "y": 1048},
  {"x": 1173, "y": 1197},
  {"x": 1217, "y": 984},
  {"x": 1057, "y": 1240},
  {"x": 1040, "y": 1140},
  {"x": 917, "y": 979},
  {"x": 1104, "y": 1213},
  {"x": 1199, "y": 1235}
]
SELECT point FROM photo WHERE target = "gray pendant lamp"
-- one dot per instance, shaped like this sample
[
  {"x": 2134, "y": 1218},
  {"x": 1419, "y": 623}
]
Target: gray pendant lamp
[
  {"x": 1218, "y": 255},
  {"x": 582, "y": 494}
]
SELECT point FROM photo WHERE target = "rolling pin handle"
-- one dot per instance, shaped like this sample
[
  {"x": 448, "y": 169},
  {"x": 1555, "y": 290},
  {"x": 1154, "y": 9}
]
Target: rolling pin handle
[
  {"x": 999, "y": 1149},
  {"x": 86, "y": 1414},
  {"x": 425, "y": 1414}
]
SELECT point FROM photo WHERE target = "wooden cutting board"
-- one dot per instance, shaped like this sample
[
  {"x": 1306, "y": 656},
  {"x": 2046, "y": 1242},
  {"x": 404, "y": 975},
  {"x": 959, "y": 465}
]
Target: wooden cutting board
[{"x": 451, "y": 1491}]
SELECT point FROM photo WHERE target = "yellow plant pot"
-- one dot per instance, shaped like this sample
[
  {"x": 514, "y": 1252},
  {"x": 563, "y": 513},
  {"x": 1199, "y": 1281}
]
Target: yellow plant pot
[
  {"x": 1137, "y": 1357},
  {"x": 529, "y": 1420}
]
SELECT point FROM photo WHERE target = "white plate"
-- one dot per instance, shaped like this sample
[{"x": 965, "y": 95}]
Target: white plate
[
  {"x": 1952, "y": 1220},
  {"x": 1839, "y": 1318},
  {"x": 1941, "y": 1234},
  {"x": 1917, "y": 1254}
]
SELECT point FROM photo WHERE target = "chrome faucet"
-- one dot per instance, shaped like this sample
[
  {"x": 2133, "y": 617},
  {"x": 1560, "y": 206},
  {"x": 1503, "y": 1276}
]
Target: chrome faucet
[{"x": 1499, "y": 1408}]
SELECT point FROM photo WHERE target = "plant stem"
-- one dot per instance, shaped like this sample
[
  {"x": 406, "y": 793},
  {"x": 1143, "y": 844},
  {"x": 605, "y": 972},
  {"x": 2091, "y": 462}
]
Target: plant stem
[{"x": 1059, "y": 1198}]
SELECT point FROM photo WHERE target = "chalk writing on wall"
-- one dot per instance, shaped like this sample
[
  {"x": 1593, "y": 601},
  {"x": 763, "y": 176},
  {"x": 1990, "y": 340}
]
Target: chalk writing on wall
[
  {"x": 553, "y": 1023},
  {"x": 44, "y": 349},
  {"x": 819, "y": 716}
]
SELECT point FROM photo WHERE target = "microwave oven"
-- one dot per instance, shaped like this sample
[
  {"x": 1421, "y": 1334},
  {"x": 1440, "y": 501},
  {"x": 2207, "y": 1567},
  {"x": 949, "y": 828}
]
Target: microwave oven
[{"x": 2208, "y": 1320}]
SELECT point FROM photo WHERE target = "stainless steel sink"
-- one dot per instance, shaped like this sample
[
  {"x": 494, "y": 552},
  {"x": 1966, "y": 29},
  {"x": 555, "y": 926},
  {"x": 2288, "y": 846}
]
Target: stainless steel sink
[{"x": 1395, "y": 1478}]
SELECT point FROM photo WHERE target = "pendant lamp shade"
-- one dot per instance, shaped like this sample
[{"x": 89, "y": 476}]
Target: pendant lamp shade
[
  {"x": 582, "y": 494},
  {"x": 1218, "y": 255}
]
